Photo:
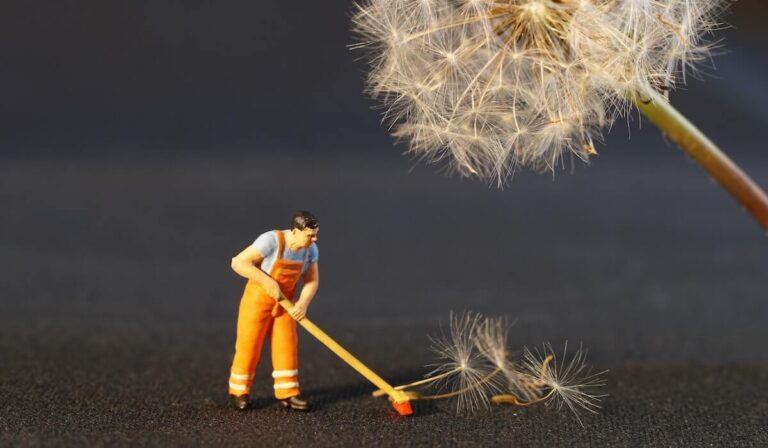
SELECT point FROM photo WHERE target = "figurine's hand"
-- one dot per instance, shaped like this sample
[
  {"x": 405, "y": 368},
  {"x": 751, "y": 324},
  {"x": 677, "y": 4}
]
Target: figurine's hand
[
  {"x": 299, "y": 311},
  {"x": 272, "y": 288}
]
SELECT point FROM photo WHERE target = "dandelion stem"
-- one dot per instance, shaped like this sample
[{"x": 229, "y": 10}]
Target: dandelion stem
[
  {"x": 381, "y": 393},
  {"x": 512, "y": 399},
  {"x": 705, "y": 152}
]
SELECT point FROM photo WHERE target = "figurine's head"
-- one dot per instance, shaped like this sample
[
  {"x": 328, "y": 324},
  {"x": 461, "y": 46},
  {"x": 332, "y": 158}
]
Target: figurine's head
[{"x": 304, "y": 228}]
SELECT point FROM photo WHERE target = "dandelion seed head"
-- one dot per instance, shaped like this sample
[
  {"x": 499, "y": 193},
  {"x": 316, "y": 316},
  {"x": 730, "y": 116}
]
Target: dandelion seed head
[{"x": 490, "y": 85}]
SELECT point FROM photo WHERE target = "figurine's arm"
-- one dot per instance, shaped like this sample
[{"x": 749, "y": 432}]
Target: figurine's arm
[
  {"x": 311, "y": 283},
  {"x": 246, "y": 264}
]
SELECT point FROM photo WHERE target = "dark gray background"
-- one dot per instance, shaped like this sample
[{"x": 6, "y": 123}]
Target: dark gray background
[{"x": 145, "y": 143}]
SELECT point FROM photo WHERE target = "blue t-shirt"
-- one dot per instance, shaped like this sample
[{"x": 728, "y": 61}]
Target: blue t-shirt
[{"x": 266, "y": 244}]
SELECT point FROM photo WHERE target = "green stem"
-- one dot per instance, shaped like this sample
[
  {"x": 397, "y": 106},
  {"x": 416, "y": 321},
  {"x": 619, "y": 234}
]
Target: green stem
[{"x": 705, "y": 152}]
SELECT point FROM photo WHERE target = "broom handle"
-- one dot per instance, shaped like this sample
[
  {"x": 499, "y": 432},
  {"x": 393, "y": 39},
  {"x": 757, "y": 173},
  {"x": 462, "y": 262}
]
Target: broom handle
[{"x": 341, "y": 352}]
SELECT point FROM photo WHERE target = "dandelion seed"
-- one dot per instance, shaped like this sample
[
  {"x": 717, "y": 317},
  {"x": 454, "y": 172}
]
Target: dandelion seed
[
  {"x": 464, "y": 373},
  {"x": 570, "y": 380},
  {"x": 491, "y": 341}
]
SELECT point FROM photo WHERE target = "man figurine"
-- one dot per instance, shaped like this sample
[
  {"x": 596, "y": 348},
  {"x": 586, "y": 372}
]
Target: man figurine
[{"x": 274, "y": 263}]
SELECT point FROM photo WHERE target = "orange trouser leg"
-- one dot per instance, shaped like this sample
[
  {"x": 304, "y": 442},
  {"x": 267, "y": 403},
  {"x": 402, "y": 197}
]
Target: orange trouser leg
[
  {"x": 285, "y": 361},
  {"x": 253, "y": 322}
]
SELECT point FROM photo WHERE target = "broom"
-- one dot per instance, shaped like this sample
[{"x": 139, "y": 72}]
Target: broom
[{"x": 399, "y": 399}]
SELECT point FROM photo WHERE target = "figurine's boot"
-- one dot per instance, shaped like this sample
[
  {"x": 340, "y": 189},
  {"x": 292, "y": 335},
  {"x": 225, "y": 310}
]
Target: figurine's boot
[
  {"x": 240, "y": 402},
  {"x": 296, "y": 403}
]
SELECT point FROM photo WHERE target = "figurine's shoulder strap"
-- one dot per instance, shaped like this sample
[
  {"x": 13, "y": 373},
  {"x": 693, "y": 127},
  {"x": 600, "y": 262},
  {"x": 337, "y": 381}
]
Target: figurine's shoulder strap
[
  {"x": 280, "y": 244},
  {"x": 306, "y": 254}
]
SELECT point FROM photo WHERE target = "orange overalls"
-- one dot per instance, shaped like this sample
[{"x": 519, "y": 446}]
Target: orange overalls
[{"x": 260, "y": 315}]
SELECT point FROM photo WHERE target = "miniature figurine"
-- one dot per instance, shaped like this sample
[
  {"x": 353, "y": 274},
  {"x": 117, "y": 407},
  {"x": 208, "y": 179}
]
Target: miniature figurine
[{"x": 274, "y": 264}]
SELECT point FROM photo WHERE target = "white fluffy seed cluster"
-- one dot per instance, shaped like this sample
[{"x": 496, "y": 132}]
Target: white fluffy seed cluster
[
  {"x": 496, "y": 84},
  {"x": 475, "y": 365}
]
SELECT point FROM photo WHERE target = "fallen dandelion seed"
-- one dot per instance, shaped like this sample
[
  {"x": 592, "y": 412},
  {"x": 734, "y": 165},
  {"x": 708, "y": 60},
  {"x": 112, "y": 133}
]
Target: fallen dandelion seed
[{"x": 476, "y": 370}]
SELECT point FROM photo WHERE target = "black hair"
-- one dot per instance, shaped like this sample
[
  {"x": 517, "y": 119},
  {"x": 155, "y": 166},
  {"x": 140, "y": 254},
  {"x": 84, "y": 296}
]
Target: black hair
[{"x": 304, "y": 220}]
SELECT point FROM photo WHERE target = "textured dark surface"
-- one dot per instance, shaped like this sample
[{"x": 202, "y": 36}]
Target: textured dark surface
[
  {"x": 144, "y": 143},
  {"x": 117, "y": 305}
]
